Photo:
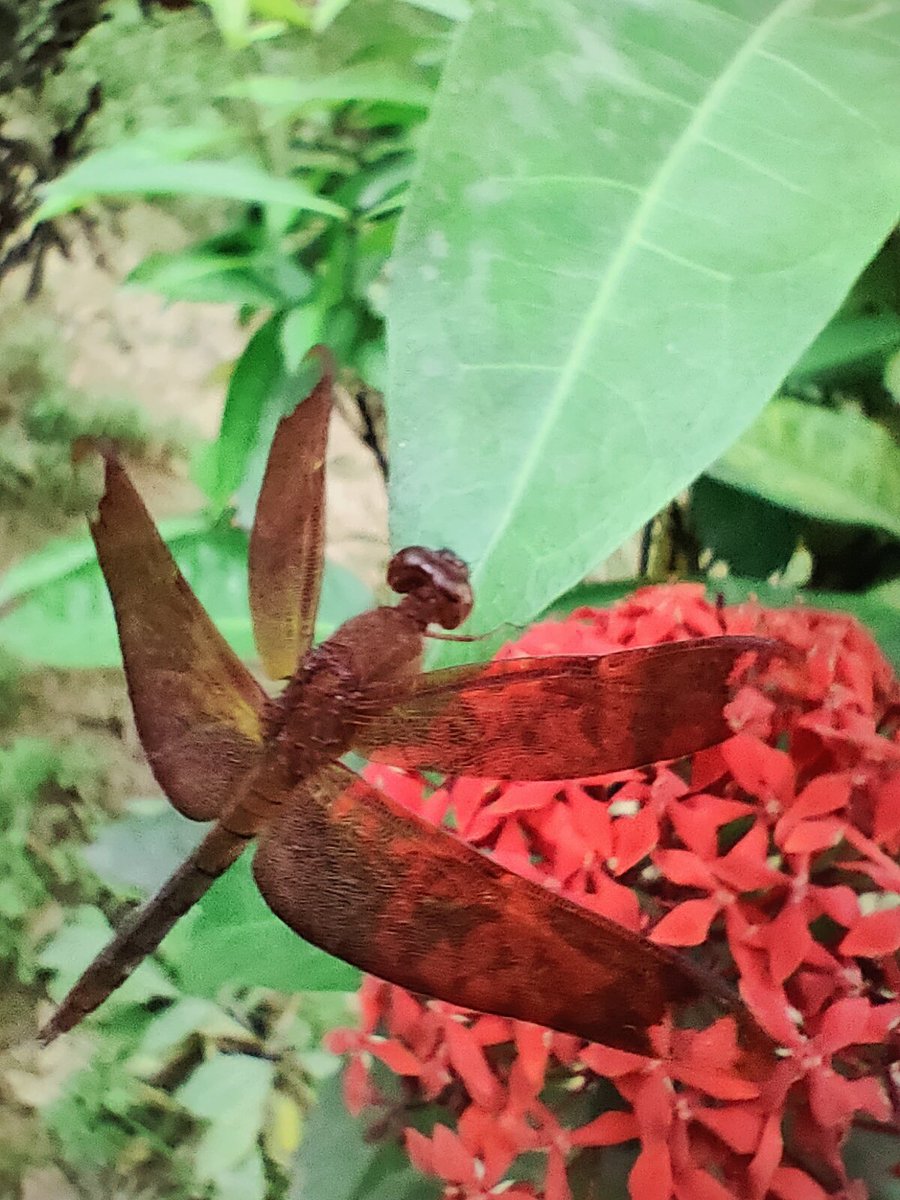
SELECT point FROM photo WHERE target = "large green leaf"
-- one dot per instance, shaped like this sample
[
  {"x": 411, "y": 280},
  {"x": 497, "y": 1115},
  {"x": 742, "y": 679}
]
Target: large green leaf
[
  {"x": 833, "y": 464},
  {"x": 58, "y": 613},
  {"x": 630, "y": 220}
]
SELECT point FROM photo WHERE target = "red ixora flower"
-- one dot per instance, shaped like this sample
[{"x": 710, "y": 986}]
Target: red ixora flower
[{"x": 772, "y": 858}]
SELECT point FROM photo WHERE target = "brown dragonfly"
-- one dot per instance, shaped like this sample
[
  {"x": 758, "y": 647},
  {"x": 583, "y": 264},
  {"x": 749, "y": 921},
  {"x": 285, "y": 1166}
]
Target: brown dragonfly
[{"x": 338, "y": 861}]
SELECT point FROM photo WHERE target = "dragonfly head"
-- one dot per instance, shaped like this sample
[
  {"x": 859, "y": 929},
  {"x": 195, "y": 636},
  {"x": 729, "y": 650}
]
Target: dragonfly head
[{"x": 435, "y": 583}]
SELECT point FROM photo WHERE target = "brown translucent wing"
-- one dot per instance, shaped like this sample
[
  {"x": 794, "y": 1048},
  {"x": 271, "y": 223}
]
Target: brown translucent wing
[
  {"x": 196, "y": 706},
  {"x": 355, "y": 873},
  {"x": 286, "y": 545},
  {"x": 562, "y": 717}
]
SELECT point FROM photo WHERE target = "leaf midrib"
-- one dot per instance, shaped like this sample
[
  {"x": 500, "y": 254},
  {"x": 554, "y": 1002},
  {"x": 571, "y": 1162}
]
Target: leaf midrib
[{"x": 595, "y": 314}]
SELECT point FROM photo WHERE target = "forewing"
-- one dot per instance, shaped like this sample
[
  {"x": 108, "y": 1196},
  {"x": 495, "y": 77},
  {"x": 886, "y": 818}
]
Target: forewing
[
  {"x": 286, "y": 545},
  {"x": 562, "y": 717},
  {"x": 352, "y": 871},
  {"x": 197, "y": 708}
]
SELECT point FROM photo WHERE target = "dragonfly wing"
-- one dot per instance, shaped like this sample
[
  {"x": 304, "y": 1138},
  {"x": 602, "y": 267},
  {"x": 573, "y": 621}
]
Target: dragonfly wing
[
  {"x": 354, "y": 872},
  {"x": 287, "y": 542},
  {"x": 197, "y": 708},
  {"x": 562, "y": 717}
]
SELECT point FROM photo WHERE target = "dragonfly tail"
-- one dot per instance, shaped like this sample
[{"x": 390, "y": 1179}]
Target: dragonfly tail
[{"x": 144, "y": 929}]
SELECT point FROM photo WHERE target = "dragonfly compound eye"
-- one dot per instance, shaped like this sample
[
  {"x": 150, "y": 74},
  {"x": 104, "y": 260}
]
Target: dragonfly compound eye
[{"x": 439, "y": 579}]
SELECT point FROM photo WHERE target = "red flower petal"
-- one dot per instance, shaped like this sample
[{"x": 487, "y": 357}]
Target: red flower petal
[
  {"x": 825, "y": 794},
  {"x": 634, "y": 837},
  {"x": 874, "y": 935},
  {"x": 744, "y": 867},
  {"x": 887, "y": 808},
  {"x": 839, "y": 902},
  {"x": 700, "y": 1185},
  {"x": 685, "y": 868},
  {"x": 758, "y": 769},
  {"x": 609, "y": 1129},
  {"x": 808, "y": 837},
  {"x": 787, "y": 938},
  {"x": 400, "y": 1060},
  {"x": 739, "y": 1126},
  {"x": 687, "y": 924},
  {"x": 844, "y": 1024},
  {"x": 452, "y": 1161},
  {"x": 556, "y": 1186},
  {"x": 651, "y": 1175},
  {"x": 468, "y": 1060},
  {"x": 420, "y": 1151},
  {"x": 766, "y": 1159},
  {"x": 790, "y": 1183}
]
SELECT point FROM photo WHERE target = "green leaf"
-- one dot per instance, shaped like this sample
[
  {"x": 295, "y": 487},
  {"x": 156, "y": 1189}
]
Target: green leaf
[
  {"x": 591, "y": 595},
  {"x": 871, "y": 1155},
  {"x": 236, "y": 940},
  {"x": 256, "y": 376},
  {"x": 368, "y": 81},
  {"x": 834, "y": 465},
  {"x": 120, "y": 171},
  {"x": 847, "y": 341},
  {"x": 751, "y": 535},
  {"x": 177, "y": 1024},
  {"x": 83, "y": 936},
  {"x": 142, "y": 848},
  {"x": 58, "y": 612},
  {"x": 337, "y": 1162},
  {"x": 453, "y": 10},
  {"x": 230, "y": 1093},
  {"x": 594, "y": 296},
  {"x": 200, "y": 275},
  {"x": 65, "y": 618}
]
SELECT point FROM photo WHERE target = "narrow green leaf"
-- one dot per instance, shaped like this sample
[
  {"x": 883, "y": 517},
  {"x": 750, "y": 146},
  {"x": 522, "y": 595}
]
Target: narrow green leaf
[
  {"x": 119, "y": 171},
  {"x": 374, "y": 82},
  {"x": 834, "y": 465},
  {"x": 206, "y": 277},
  {"x": 594, "y": 296},
  {"x": 453, "y": 10},
  {"x": 256, "y": 375},
  {"x": 83, "y": 936}
]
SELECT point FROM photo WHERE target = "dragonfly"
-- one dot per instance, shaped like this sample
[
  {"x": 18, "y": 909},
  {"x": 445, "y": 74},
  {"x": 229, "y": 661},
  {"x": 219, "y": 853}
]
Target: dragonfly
[{"x": 339, "y": 861}]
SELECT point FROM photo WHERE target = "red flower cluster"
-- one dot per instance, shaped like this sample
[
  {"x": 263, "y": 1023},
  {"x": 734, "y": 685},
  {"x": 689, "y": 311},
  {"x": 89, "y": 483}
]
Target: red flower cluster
[{"x": 774, "y": 855}]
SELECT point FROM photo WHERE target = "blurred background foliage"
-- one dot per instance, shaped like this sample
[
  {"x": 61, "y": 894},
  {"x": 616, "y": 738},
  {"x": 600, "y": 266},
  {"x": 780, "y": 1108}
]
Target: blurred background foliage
[{"x": 287, "y": 140}]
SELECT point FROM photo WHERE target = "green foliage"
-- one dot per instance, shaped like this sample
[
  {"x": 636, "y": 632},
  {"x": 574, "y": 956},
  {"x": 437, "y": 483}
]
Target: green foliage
[
  {"x": 610, "y": 261},
  {"x": 37, "y": 781},
  {"x": 40, "y": 417},
  {"x": 36, "y": 34},
  {"x": 336, "y": 1161},
  {"x": 831, "y": 464},
  {"x": 182, "y": 1091},
  {"x": 43, "y": 594}
]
